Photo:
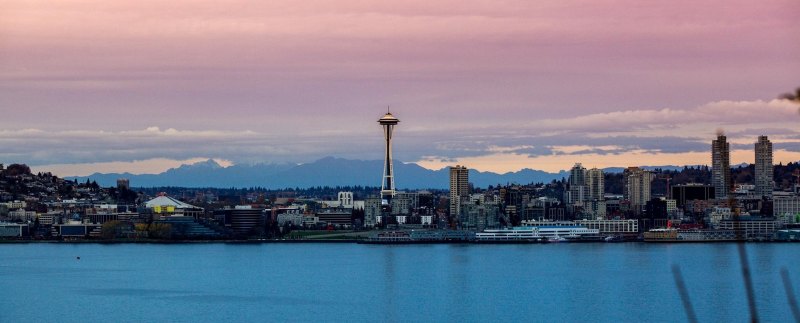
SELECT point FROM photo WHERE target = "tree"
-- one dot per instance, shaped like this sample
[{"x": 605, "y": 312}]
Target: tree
[
  {"x": 111, "y": 230},
  {"x": 160, "y": 230}
]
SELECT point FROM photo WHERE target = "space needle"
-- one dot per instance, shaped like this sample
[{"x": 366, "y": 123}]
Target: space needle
[{"x": 387, "y": 185}]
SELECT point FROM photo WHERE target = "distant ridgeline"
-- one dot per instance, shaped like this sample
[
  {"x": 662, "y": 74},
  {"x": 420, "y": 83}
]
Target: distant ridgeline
[
  {"x": 328, "y": 171},
  {"x": 335, "y": 172}
]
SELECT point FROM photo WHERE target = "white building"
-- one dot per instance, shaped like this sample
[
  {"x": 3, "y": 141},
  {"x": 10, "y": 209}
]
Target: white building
[
  {"x": 621, "y": 227},
  {"x": 13, "y": 205},
  {"x": 293, "y": 218},
  {"x": 346, "y": 199},
  {"x": 22, "y": 215},
  {"x": 786, "y": 208}
]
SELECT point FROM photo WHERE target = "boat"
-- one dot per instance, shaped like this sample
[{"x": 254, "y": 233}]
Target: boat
[{"x": 613, "y": 239}]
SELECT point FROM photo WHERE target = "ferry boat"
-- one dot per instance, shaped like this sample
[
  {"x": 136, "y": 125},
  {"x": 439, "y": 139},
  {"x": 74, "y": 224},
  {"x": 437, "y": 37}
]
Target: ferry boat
[{"x": 692, "y": 235}]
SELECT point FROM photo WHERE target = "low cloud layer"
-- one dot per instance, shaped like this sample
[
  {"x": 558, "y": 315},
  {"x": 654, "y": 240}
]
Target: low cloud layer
[{"x": 676, "y": 135}]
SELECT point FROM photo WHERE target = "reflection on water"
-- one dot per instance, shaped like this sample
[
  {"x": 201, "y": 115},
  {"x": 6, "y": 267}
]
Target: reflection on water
[{"x": 338, "y": 282}]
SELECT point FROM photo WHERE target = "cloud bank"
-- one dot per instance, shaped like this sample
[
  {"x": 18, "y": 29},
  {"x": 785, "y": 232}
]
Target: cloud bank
[{"x": 647, "y": 136}]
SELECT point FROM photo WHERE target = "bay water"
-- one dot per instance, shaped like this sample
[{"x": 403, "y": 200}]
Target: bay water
[{"x": 305, "y": 282}]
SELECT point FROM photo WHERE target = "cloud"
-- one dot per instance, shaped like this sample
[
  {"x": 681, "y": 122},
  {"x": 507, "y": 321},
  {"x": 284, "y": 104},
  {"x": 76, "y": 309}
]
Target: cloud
[
  {"x": 621, "y": 136},
  {"x": 289, "y": 81}
]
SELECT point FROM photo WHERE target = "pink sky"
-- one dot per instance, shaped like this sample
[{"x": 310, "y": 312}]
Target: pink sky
[{"x": 500, "y": 86}]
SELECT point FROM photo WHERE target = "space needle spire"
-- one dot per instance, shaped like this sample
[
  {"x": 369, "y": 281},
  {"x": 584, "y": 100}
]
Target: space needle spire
[{"x": 388, "y": 122}]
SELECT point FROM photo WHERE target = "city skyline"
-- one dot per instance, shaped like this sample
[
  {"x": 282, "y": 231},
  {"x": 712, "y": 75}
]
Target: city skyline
[{"x": 142, "y": 88}]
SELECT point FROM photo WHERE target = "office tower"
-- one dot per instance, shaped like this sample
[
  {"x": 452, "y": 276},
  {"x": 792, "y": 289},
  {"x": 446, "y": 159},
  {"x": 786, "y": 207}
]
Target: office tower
[
  {"x": 459, "y": 187},
  {"x": 720, "y": 167},
  {"x": 764, "y": 171}
]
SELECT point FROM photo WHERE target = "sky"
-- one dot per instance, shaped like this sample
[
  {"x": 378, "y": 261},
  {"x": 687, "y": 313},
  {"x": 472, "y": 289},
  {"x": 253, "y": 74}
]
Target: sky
[{"x": 142, "y": 86}]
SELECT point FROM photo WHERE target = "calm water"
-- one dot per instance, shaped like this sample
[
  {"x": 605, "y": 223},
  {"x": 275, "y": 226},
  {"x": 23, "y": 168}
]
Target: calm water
[{"x": 349, "y": 282}]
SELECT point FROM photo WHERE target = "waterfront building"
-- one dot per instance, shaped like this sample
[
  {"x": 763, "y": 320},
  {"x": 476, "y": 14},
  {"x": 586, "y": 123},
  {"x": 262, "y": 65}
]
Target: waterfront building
[
  {"x": 753, "y": 227},
  {"x": 76, "y": 230},
  {"x": 637, "y": 188},
  {"x": 164, "y": 205},
  {"x": 612, "y": 227},
  {"x": 185, "y": 227},
  {"x": 721, "y": 167},
  {"x": 786, "y": 208},
  {"x": 242, "y": 220},
  {"x": 459, "y": 187},
  {"x": 14, "y": 230},
  {"x": 764, "y": 181}
]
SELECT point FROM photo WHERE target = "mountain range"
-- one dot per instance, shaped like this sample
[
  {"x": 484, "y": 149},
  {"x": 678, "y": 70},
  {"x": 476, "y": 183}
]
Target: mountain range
[{"x": 328, "y": 171}]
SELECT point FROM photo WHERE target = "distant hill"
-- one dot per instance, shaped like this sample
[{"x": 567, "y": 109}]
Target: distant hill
[
  {"x": 328, "y": 171},
  {"x": 333, "y": 172},
  {"x": 650, "y": 168}
]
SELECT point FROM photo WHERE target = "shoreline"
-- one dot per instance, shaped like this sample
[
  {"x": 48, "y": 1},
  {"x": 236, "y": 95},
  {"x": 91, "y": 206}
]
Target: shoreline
[{"x": 364, "y": 242}]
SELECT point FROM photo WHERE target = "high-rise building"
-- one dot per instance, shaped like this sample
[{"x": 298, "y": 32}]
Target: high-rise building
[
  {"x": 764, "y": 171},
  {"x": 459, "y": 187},
  {"x": 721, "y": 167},
  {"x": 596, "y": 185},
  {"x": 577, "y": 175},
  {"x": 388, "y": 122},
  {"x": 637, "y": 188},
  {"x": 578, "y": 192}
]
